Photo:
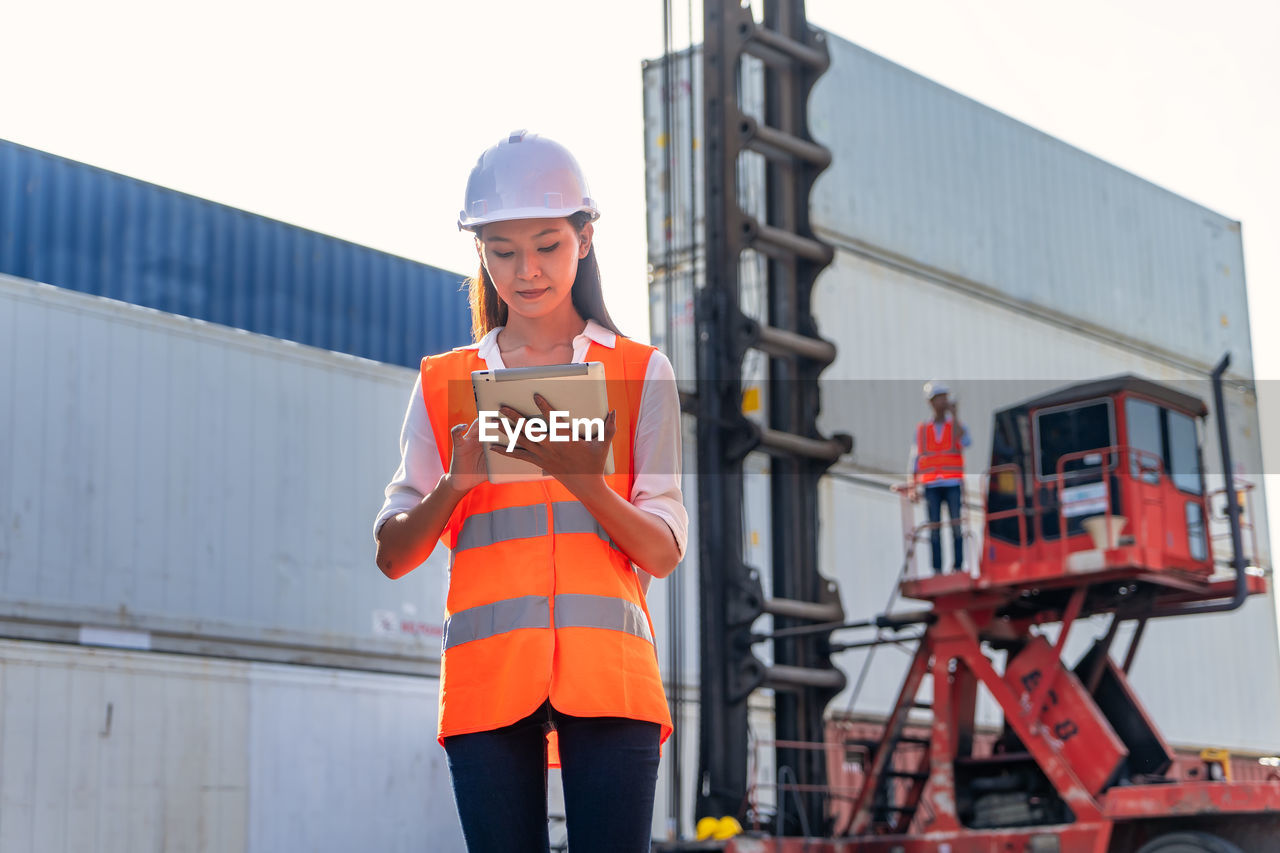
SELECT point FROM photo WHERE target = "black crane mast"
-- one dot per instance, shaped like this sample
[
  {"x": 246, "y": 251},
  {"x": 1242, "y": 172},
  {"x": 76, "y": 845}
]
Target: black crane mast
[{"x": 732, "y": 594}]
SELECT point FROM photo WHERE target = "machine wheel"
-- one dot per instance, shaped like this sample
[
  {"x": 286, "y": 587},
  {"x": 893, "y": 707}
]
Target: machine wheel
[{"x": 1189, "y": 842}]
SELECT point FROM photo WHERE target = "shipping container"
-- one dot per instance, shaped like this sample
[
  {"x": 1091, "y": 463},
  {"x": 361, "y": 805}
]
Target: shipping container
[
  {"x": 87, "y": 229},
  {"x": 176, "y": 485},
  {"x": 975, "y": 249},
  {"x": 125, "y": 751},
  {"x": 929, "y": 180},
  {"x": 113, "y": 751},
  {"x": 926, "y": 177}
]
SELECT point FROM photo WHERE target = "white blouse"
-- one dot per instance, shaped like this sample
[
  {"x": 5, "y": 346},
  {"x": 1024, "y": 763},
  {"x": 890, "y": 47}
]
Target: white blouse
[{"x": 656, "y": 451}]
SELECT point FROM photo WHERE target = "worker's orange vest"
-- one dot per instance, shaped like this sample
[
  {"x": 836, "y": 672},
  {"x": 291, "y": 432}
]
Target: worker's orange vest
[
  {"x": 937, "y": 458},
  {"x": 541, "y": 604}
]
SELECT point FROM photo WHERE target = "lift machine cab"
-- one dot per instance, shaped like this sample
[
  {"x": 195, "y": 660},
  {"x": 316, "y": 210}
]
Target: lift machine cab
[{"x": 1100, "y": 476}]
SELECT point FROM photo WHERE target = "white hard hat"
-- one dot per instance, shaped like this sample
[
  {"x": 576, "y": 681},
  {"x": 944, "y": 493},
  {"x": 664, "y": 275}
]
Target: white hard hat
[
  {"x": 525, "y": 176},
  {"x": 934, "y": 388}
]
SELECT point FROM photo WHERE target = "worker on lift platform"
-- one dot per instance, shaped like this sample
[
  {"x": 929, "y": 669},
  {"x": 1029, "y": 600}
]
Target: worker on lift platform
[{"x": 937, "y": 469}]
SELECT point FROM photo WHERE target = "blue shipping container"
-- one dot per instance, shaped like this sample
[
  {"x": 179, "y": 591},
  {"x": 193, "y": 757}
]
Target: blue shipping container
[{"x": 87, "y": 229}]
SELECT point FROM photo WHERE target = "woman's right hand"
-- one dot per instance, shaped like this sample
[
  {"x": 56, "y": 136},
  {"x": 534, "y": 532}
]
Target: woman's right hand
[
  {"x": 466, "y": 466},
  {"x": 407, "y": 538}
]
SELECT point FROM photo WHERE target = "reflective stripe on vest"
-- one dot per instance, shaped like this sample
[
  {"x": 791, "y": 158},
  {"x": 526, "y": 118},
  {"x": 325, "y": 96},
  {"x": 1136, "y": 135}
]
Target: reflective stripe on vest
[
  {"x": 601, "y": 611},
  {"x": 573, "y": 517},
  {"x": 524, "y": 522},
  {"x": 499, "y": 525},
  {"x": 511, "y": 614},
  {"x": 532, "y": 611}
]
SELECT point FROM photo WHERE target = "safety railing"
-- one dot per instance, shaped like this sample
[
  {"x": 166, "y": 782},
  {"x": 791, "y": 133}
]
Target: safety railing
[
  {"x": 1141, "y": 465},
  {"x": 1019, "y": 511},
  {"x": 1218, "y": 525},
  {"x": 837, "y": 797},
  {"x": 1105, "y": 460}
]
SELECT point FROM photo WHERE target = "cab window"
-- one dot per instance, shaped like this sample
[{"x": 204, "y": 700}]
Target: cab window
[
  {"x": 1182, "y": 458},
  {"x": 1171, "y": 436},
  {"x": 1070, "y": 430},
  {"x": 1145, "y": 431}
]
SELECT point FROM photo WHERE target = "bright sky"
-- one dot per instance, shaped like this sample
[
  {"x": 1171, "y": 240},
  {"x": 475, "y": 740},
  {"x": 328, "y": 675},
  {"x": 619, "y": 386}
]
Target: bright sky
[{"x": 362, "y": 120}]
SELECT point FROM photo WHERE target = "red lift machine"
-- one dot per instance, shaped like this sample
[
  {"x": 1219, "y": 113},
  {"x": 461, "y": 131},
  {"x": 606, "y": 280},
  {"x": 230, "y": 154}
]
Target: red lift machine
[{"x": 1095, "y": 505}]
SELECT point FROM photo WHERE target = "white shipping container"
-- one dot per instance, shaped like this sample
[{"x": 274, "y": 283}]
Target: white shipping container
[
  {"x": 112, "y": 751},
  {"x": 929, "y": 179},
  {"x": 925, "y": 176},
  {"x": 197, "y": 488},
  {"x": 121, "y": 751}
]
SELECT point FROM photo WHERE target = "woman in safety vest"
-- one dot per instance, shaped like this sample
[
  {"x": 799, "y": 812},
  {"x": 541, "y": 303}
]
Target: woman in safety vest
[{"x": 548, "y": 651}]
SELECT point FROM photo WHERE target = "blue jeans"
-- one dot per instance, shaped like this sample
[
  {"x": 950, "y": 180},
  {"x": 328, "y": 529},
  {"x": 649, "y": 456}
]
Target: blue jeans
[
  {"x": 609, "y": 767},
  {"x": 934, "y": 496}
]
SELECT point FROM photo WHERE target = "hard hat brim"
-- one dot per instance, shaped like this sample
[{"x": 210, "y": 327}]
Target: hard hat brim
[{"x": 473, "y": 223}]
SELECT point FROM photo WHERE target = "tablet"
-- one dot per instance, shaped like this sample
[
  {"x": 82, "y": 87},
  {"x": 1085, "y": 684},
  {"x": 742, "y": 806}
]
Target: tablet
[{"x": 577, "y": 390}]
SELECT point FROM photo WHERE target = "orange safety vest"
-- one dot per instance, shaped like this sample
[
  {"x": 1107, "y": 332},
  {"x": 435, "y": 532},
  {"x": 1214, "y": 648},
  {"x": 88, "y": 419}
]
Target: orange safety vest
[
  {"x": 938, "y": 458},
  {"x": 541, "y": 605}
]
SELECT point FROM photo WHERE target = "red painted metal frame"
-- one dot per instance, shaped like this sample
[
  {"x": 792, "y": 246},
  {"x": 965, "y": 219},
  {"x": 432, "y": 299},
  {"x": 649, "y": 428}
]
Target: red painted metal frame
[
  {"x": 1066, "y": 715},
  {"x": 1024, "y": 719},
  {"x": 951, "y": 652},
  {"x": 861, "y": 818},
  {"x": 1135, "y": 802},
  {"x": 1071, "y": 838}
]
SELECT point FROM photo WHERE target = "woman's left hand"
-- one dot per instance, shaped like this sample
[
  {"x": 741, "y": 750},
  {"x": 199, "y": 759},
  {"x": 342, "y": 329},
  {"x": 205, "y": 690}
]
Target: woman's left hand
[
  {"x": 579, "y": 466},
  {"x": 573, "y": 461}
]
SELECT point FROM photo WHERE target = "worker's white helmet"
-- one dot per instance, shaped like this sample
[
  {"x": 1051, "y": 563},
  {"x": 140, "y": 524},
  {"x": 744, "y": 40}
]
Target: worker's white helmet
[
  {"x": 525, "y": 176},
  {"x": 934, "y": 388}
]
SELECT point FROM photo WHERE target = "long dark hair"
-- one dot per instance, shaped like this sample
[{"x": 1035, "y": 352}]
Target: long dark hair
[{"x": 488, "y": 311}]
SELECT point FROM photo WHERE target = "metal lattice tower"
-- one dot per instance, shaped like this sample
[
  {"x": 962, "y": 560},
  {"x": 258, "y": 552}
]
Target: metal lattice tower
[{"x": 804, "y": 680}]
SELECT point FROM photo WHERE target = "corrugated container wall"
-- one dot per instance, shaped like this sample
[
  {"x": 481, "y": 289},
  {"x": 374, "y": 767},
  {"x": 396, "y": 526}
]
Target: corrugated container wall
[
  {"x": 112, "y": 751},
  {"x": 202, "y": 489},
  {"x": 928, "y": 177},
  {"x": 973, "y": 248},
  {"x": 925, "y": 178},
  {"x": 87, "y": 229}
]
